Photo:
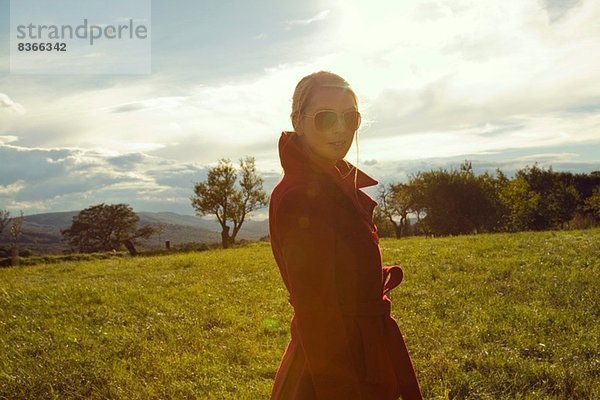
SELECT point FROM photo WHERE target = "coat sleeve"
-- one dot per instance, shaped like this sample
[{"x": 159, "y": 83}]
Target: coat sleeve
[{"x": 307, "y": 236}]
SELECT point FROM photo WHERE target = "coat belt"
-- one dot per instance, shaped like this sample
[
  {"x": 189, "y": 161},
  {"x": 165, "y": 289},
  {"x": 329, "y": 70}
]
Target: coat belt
[
  {"x": 382, "y": 306},
  {"x": 379, "y": 366},
  {"x": 392, "y": 277}
]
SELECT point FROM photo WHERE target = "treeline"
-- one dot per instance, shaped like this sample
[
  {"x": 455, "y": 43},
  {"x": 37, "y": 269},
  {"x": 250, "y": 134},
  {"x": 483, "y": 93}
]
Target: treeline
[{"x": 456, "y": 202}]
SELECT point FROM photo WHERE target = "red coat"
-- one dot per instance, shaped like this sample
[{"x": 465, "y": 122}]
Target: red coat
[{"x": 345, "y": 345}]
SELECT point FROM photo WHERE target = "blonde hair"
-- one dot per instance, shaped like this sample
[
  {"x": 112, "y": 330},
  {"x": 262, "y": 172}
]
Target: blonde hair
[{"x": 307, "y": 86}]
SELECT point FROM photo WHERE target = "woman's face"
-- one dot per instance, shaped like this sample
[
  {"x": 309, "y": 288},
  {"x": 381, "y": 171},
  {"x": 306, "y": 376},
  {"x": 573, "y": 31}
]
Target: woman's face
[{"x": 332, "y": 144}]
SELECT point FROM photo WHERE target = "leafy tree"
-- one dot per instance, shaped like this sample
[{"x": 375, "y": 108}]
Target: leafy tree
[
  {"x": 416, "y": 191},
  {"x": 558, "y": 196},
  {"x": 592, "y": 203},
  {"x": 106, "y": 227},
  {"x": 584, "y": 183},
  {"x": 219, "y": 196},
  {"x": 454, "y": 202},
  {"x": 519, "y": 202},
  {"x": 457, "y": 201},
  {"x": 488, "y": 216},
  {"x": 562, "y": 204}
]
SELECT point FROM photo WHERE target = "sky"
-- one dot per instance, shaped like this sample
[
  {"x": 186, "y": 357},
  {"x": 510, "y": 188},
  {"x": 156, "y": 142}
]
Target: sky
[{"x": 504, "y": 84}]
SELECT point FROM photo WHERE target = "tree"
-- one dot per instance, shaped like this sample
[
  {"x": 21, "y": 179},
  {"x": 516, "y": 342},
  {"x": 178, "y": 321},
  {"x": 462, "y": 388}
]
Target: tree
[
  {"x": 218, "y": 196},
  {"x": 384, "y": 226},
  {"x": 592, "y": 203},
  {"x": 106, "y": 227},
  {"x": 15, "y": 231},
  {"x": 563, "y": 201},
  {"x": 454, "y": 202},
  {"x": 489, "y": 213},
  {"x": 4, "y": 219},
  {"x": 519, "y": 202},
  {"x": 558, "y": 196},
  {"x": 395, "y": 202},
  {"x": 416, "y": 191}
]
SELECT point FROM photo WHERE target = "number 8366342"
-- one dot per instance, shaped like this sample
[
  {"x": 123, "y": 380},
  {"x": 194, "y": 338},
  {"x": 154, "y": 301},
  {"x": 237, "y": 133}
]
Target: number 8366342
[{"x": 42, "y": 46}]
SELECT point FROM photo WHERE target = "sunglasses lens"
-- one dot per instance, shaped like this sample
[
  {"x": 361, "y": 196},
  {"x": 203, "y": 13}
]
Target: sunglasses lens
[
  {"x": 325, "y": 120},
  {"x": 352, "y": 120}
]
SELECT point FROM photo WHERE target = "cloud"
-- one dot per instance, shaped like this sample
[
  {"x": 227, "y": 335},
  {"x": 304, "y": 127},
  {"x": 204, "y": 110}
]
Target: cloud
[
  {"x": 8, "y": 103},
  {"x": 548, "y": 158},
  {"x": 510, "y": 76},
  {"x": 477, "y": 48},
  {"x": 8, "y": 139},
  {"x": 403, "y": 170},
  {"x": 48, "y": 175},
  {"x": 299, "y": 22},
  {"x": 127, "y": 161},
  {"x": 13, "y": 188},
  {"x": 439, "y": 107},
  {"x": 62, "y": 179},
  {"x": 432, "y": 11},
  {"x": 558, "y": 8},
  {"x": 198, "y": 123},
  {"x": 159, "y": 103},
  {"x": 128, "y": 107},
  {"x": 518, "y": 133}
]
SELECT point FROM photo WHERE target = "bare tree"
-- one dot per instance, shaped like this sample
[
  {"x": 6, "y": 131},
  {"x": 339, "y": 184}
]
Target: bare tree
[
  {"x": 15, "y": 231},
  {"x": 4, "y": 219},
  {"x": 395, "y": 202}
]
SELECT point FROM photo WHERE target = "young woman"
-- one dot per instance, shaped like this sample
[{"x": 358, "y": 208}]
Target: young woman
[{"x": 345, "y": 345}]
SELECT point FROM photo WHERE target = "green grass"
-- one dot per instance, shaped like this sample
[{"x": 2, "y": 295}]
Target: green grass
[{"x": 513, "y": 316}]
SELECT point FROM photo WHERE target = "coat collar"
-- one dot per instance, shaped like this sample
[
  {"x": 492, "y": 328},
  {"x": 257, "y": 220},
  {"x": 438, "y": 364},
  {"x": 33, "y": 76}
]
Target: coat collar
[{"x": 294, "y": 160}]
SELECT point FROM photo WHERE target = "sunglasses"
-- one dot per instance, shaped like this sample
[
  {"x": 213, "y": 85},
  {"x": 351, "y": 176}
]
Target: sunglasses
[{"x": 326, "y": 119}]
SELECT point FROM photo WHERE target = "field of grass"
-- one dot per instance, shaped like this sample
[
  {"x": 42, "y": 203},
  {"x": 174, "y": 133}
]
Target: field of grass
[{"x": 503, "y": 316}]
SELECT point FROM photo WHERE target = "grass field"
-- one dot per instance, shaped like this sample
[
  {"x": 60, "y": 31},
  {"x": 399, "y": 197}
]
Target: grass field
[{"x": 514, "y": 316}]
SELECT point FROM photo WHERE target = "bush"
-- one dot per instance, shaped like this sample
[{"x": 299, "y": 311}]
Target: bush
[{"x": 583, "y": 221}]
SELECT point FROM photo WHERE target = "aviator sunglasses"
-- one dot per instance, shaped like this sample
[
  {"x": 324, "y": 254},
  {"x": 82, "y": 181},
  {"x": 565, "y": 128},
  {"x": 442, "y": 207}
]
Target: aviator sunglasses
[{"x": 326, "y": 119}]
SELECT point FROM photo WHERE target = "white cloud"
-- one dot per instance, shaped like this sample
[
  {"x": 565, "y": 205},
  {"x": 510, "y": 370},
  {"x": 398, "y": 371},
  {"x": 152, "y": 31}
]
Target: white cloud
[
  {"x": 13, "y": 188},
  {"x": 158, "y": 103},
  {"x": 202, "y": 120},
  {"x": 558, "y": 8},
  {"x": 544, "y": 158},
  {"x": 8, "y": 103},
  {"x": 8, "y": 139},
  {"x": 40, "y": 180},
  {"x": 533, "y": 132},
  {"x": 318, "y": 17}
]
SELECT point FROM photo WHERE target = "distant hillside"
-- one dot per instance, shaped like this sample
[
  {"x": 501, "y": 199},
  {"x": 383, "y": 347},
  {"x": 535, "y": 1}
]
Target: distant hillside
[{"x": 41, "y": 232}]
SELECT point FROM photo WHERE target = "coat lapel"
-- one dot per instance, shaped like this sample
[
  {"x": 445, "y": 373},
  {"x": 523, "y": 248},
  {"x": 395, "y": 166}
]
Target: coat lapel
[{"x": 295, "y": 160}]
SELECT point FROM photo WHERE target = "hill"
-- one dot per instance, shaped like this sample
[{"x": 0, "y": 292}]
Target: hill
[
  {"x": 491, "y": 316},
  {"x": 41, "y": 232}
]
